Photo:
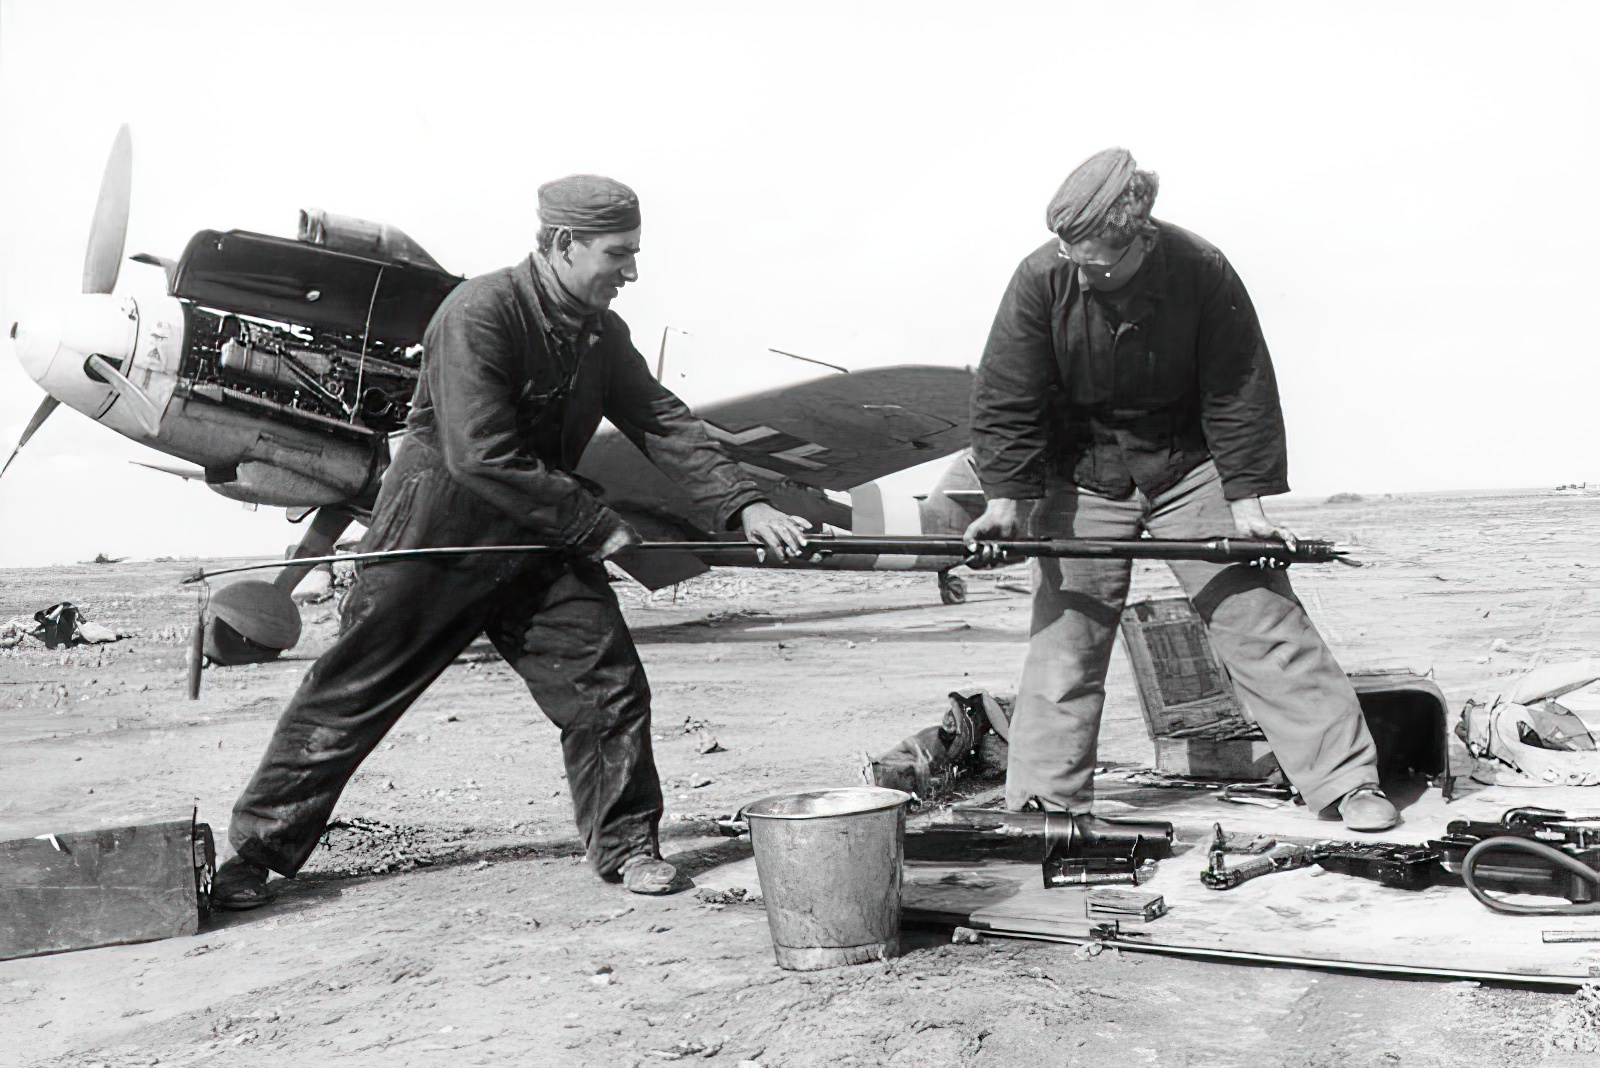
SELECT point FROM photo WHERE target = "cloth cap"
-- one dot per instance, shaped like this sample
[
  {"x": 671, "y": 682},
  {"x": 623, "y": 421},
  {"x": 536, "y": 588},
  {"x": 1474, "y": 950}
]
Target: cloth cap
[
  {"x": 1084, "y": 199},
  {"x": 589, "y": 202}
]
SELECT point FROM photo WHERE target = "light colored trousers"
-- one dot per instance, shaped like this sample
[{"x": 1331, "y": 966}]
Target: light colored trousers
[{"x": 1280, "y": 667}]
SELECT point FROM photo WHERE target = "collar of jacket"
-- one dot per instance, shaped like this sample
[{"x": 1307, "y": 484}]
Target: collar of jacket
[{"x": 559, "y": 312}]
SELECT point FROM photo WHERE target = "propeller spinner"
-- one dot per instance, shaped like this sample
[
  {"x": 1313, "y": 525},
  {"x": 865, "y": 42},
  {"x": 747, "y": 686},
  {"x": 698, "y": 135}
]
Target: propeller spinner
[{"x": 82, "y": 360}]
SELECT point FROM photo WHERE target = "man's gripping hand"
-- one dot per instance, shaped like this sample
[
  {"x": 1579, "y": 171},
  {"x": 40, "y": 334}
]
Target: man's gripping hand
[
  {"x": 1002, "y": 519},
  {"x": 782, "y": 535},
  {"x": 1251, "y": 521}
]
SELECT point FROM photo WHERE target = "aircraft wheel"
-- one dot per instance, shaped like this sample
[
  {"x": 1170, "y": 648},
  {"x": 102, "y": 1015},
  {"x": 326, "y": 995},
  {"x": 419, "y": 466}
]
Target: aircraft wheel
[
  {"x": 952, "y": 589},
  {"x": 250, "y": 622}
]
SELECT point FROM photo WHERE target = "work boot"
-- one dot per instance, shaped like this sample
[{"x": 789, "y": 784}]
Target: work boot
[
  {"x": 645, "y": 874},
  {"x": 1366, "y": 809},
  {"x": 240, "y": 884}
]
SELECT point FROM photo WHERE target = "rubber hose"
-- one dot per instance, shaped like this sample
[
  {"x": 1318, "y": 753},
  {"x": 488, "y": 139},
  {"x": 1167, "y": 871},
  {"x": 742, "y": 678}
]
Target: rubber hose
[{"x": 1539, "y": 849}]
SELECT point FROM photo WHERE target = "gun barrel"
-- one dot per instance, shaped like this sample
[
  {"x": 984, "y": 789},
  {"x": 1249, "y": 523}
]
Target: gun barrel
[
  {"x": 1214, "y": 550},
  {"x": 821, "y": 546}
]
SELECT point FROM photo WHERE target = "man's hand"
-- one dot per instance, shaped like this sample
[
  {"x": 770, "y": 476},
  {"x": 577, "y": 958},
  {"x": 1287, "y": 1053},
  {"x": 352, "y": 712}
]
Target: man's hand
[
  {"x": 1251, "y": 521},
  {"x": 782, "y": 535},
  {"x": 1002, "y": 519}
]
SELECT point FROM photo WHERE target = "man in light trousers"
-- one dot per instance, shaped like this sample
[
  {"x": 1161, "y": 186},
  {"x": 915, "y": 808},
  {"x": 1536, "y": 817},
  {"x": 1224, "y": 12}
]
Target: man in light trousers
[{"x": 1126, "y": 387}]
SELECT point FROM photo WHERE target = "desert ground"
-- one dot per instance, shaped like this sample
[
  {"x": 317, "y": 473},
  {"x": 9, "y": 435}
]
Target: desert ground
[{"x": 451, "y": 920}]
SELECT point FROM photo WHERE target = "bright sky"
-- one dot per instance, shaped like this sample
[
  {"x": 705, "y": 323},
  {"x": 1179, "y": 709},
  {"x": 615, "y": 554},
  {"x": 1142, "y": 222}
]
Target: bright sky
[{"x": 1399, "y": 186}]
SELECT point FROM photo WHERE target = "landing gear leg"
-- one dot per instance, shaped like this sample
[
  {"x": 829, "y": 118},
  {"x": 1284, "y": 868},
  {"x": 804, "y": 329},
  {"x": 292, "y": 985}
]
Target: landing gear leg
[
  {"x": 326, "y": 526},
  {"x": 952, "y": 588}
]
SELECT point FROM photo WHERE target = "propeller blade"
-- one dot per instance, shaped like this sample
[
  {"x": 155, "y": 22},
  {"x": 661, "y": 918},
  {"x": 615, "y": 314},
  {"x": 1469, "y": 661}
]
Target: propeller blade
[
  {"x": 103, "y": 258},
  {"x": 144, "y": 409},
  {"x": 46, "y": 406}
]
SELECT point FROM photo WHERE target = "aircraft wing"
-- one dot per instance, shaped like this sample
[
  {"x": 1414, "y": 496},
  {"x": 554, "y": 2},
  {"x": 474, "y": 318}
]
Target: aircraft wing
[{"x": 830, "y": 433}]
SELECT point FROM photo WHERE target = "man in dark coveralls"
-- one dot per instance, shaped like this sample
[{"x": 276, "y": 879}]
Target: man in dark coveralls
[
  {"x": 519, "y": 366},
  {"x": 1126, "y": 386}
]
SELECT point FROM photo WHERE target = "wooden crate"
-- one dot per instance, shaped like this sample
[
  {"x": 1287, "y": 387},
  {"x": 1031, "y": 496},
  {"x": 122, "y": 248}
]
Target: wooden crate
[
  {"x": 103, "y": 888},
  {"x": 1198, "y": 726}
]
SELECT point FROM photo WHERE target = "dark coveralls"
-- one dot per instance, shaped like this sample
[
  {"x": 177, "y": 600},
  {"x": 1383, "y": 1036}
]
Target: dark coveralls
[
  {"x": 1149, "y": 408},
  {"x": 503, "y": 411}
]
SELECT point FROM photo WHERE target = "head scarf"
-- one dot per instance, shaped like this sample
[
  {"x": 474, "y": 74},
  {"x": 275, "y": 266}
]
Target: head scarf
[
  {"x": 1084, "y": 200},
  {"x": 589, "y": 202}
]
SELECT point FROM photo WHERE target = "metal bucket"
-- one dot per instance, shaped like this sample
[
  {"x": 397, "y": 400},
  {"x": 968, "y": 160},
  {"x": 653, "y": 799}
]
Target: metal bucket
[{"x": 829, "y": 863}]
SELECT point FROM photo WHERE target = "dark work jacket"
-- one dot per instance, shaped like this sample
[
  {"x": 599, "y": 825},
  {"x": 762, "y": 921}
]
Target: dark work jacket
[
  {"x": 1130, "y": 389},
  {"x": 501, "y": 417}
]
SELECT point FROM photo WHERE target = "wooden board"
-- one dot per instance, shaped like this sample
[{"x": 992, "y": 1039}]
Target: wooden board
[
  {"x": 1307, "y": 918},
  {"x": 101, "y": 888}
]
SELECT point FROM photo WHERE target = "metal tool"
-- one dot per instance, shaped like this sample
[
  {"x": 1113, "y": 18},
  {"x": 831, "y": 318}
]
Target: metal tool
[{"x": 1282, "y": 857}]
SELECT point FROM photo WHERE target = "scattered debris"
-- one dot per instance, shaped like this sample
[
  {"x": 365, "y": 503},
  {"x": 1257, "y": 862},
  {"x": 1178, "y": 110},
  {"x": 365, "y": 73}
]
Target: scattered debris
[
  {"x": 734, "y": 895},
  {"x": 62, "y": 624},
  {"x": 705, "y": 742},
  {"x": 12, "y": 631},
  {"x": 1577, "y": 1029},
  {"x": 363, "y": 846},
  {"x": 691, "y": 1048}
]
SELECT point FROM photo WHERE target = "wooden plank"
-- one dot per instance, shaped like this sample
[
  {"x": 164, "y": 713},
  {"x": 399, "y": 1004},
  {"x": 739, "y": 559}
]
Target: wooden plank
[
  {"x": 1308, "y": 918},
  {"x": 101, "y": 888}
]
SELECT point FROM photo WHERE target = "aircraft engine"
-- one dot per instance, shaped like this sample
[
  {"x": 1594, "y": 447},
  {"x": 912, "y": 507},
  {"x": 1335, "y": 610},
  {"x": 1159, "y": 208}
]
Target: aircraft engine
[{"x": 302, "y": 369}]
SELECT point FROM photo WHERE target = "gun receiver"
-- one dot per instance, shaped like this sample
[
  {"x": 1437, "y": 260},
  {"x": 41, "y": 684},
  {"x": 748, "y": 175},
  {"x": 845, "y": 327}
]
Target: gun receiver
[
  {"x": 1073, "y": 850},
  {"x": 1528, "y": 851}
]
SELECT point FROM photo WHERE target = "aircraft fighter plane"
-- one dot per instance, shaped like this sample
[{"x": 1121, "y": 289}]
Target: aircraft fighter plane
[{"x": 280, "y": 369}]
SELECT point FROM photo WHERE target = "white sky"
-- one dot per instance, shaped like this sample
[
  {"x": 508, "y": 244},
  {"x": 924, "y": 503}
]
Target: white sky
[{"x": 1401, "y": 187}]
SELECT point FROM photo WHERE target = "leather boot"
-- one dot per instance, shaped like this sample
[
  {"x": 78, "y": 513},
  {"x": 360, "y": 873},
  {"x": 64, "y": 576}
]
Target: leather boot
[
  {"x": 240, "y": 884},
  {"x": 1366, "y": 809}
]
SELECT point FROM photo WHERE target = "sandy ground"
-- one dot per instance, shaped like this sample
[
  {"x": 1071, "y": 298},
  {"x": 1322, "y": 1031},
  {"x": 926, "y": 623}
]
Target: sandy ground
[{"x": 451, "y": 920}]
